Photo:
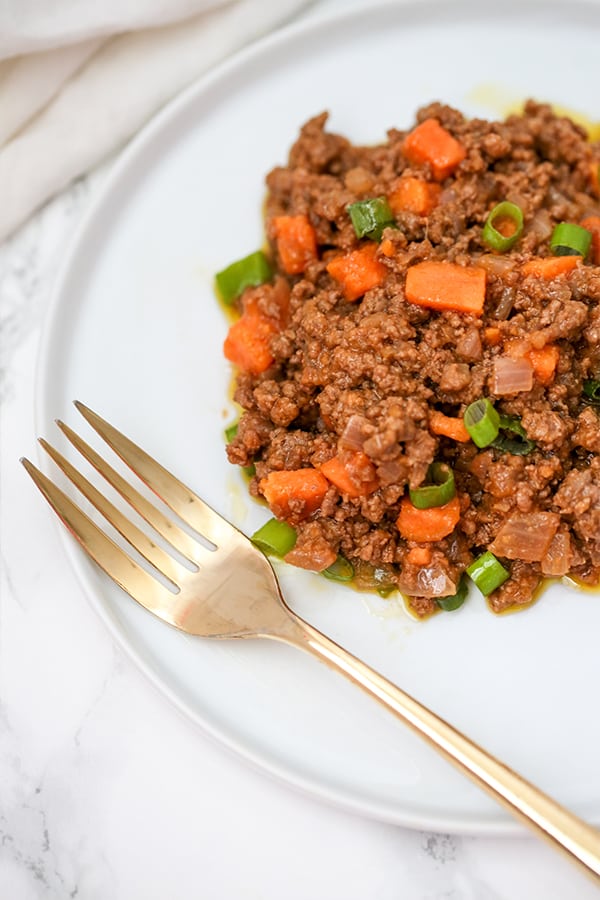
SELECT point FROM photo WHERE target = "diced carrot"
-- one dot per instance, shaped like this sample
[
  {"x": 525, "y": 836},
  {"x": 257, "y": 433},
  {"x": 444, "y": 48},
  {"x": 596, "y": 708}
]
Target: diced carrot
[
  {"x": 544, "y": 362},
  {"x": 414, "y": 195},
  {"x": 247, "y": 344},
  {"x": 296, "y": 242},
  {"x": 551, "y": 266},
  {"x": 294, "y": 494},
  {"x": 387, "y": 247},
  {"x": 353, "y": 475},
  {"x": 419, "y": 556},
  {"x": 592, "y": 223},
  {"x": 448, "y": 426},
  {"x": 443, "y": 285},
  {"x": 335, "y": 471},
  {"x": 357, "y": 271},
  {"x": 492, "y": 336},
  {"x": 426, "y": 525},
  {"x": 430, "y": 143}
]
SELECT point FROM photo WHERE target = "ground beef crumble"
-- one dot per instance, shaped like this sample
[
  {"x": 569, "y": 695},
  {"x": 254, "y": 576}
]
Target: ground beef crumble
[{"x": 383, "y": 364}]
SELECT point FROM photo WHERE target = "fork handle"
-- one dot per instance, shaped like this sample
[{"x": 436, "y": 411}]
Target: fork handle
[{"x": 564, "y": 830}]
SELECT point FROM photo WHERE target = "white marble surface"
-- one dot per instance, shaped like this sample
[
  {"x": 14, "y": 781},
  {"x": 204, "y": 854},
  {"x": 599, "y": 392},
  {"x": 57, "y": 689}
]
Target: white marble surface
[{"x": 106, "y": 793}]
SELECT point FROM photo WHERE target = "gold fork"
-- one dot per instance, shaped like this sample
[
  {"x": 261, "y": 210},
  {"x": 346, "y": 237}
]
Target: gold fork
[{"x": 232, "y": 592}]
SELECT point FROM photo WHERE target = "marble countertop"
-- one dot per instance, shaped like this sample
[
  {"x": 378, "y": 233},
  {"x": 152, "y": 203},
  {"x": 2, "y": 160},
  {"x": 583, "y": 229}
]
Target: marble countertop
[{"x": 106, "y": 791}]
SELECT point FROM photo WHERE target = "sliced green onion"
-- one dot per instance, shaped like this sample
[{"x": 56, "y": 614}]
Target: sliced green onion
[
  {"x": 512, "y": 437},
  {"x": 274, "y": 537},
  {"x": 440, "y": 490},
  {"x": 493, "y": 238},
  {"x": 487, "y": 573},
  {"x": 231, "y": 431},
  {"x": 570, "y": 240},
  {"x": 591, "y": 389},
  {"x": 457, "y": 599},
  {"x": 249, "y": 471},
  {"x": 249, "y": 271},
  {"x": 370, "y": 217},
  {"x": 482, "y": 422},
  {"x": 341, "y": 570}
]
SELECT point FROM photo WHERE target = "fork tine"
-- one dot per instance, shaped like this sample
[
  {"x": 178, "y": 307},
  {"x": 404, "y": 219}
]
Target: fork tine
[
  {"x": 169, "y": 530},
  {"x": 128, "y": 574},
  {"x": 140, "y": 541},
  {"x": 188, "y": 506}
]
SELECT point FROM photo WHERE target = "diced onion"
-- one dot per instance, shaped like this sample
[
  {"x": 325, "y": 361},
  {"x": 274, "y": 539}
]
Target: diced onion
[
  {"x": 429, "y": 581},
  {"x": 312, "y": 556},
  {"x": 512, "y": 375},
  {"x": 358, "y": 180},
  {"x": 541, "y": 225},
  {"x": 505, "y": 304},
  {"x": 557, "y": 560},
  {"x": 496, "y": 265},
  {"x": 353, "y": 435},
  {"x": 526, "y": 536},
  {"x": 469, "y": 346}
]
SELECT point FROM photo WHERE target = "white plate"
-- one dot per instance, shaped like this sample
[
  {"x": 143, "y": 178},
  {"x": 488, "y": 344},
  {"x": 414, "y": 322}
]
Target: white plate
[{"x": 135, "y": 332}]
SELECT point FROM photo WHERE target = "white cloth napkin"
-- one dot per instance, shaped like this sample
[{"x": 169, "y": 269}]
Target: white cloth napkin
[{"x": 78, "y": 78}]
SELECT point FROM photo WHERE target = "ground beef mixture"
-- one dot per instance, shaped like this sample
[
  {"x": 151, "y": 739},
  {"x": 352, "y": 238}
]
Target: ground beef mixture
[{"x": 357, "y": 384}]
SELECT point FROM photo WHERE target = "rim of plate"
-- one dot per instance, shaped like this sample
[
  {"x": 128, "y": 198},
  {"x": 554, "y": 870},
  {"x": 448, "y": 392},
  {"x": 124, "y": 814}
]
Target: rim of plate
[{"x": 238, "y": 61}]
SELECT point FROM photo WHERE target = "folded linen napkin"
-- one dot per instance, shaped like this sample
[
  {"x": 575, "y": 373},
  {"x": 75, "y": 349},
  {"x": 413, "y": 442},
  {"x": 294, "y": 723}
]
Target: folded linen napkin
[{"x": 78, "y": 79}]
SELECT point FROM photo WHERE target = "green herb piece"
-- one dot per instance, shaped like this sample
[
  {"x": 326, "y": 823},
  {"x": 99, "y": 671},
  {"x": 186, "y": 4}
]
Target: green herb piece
[
  {"x": 370, "y": 217},
  {"x": 274, "y": 538},
  {"x": 439, "y": 491},
  {"x": 482, "y": 422},
  {"x": 247, "y": 272},
  {"x": 487, "y": 573},
  {"x": 512, "y": 437},
  {"x": 341, "y": 570},
  {"x": 570, "y": 240},
  {"x": 493, "y": 238},
  {"x": 591, "y": 389},
  {"x": 231, "y": 431},
  {"x": 456, "y": 600}
]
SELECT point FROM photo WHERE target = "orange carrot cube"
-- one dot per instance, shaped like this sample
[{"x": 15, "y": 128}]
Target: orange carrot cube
[
  {"x": 296, "y": 242},
  {"x": 357, "y": 271},
  {"x": 247, "y": 344},
  {"x": 443, "y": 285},
  {"x": 431, "y": 143},
  {"x": 427, "y": 525},
  {"x": 294, "y": 494},
  {"x": 549, "y": 267},
  {"x": 414, "y": 195},
  {"x": 354, "y": 475}
]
